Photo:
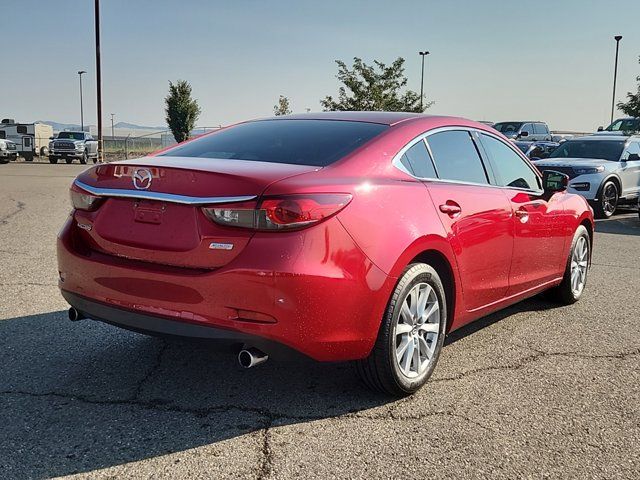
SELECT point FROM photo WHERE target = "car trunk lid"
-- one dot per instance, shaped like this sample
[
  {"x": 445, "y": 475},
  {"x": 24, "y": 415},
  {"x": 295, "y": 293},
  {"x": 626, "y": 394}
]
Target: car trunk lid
[{"x": 152, "y": 208}]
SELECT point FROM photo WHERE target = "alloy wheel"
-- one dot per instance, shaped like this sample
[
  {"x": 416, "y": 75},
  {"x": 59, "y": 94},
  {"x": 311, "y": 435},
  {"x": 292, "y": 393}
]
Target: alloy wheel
[
  {"x": 417, "y": 330},
  {"x": 609, "y": 199},
  {"x": 579, "y": 262}
]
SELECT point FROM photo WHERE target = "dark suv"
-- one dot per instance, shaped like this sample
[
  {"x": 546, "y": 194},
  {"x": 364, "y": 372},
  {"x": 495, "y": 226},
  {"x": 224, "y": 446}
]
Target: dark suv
[{"x": 529, "y": 131}]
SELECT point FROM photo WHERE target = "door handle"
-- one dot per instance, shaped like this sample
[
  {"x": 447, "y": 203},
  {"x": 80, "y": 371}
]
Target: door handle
[
  {"x": 451, "y": 208},
  {"x": 522, "y": 215}
]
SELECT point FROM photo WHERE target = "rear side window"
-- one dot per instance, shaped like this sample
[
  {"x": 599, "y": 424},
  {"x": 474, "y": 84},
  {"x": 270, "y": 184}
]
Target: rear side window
[
  {"x": 301, "y": 142},
  {"x": 418, "y": 161},
  {"x": 510, "y": 169},
  {"x": 456, "y": 157}
]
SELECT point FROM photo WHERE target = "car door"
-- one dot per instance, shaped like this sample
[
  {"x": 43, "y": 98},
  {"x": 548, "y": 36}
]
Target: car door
[
  {"x": 538, "y": 223},
  {"x": 630, "y": 169},
  {"x": 476, "y": 216}
]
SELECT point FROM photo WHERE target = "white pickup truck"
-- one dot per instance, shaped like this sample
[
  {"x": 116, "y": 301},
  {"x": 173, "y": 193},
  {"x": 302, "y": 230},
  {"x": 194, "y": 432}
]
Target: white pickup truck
[{"x": 70, "y": 145}]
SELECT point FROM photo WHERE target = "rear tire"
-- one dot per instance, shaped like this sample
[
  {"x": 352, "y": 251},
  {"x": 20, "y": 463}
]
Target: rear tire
[
  {"x": 413, "y": 324},
  {"x": 575, "y": 274},
  {"x": 53, "y": 159},
  {"x": 68, "y": 160}
]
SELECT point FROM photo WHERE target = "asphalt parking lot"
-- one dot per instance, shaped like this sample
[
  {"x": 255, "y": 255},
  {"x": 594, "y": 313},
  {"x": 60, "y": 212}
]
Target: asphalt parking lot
[{"x": 535, "y": 391}]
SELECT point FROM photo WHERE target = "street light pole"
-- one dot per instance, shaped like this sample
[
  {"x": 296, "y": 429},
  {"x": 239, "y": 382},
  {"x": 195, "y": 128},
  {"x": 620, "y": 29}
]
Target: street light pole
[
  {"x": 617, "y": 38},
  {"x": 112, "y": 135},
  {"x": 81, "y": 109},
  {"x": 98, "y": 78},
  {"x": 422, "y": 54}
]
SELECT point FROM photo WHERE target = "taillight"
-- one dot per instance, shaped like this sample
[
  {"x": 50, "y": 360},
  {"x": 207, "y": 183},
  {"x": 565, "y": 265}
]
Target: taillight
[
  {"x": 82, "y": 200},
  {"x": 287, "y": 212}
]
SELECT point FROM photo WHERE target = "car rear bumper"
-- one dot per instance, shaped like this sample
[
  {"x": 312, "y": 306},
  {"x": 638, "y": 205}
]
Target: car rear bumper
[{"x": 313, "y": 291}]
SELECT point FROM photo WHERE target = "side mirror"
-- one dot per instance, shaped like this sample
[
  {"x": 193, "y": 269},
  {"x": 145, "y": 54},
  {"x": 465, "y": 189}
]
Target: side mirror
[
  {"x": 600, "y": 128},
  {"x": 524, "y": 134},
  {"x": 633, "y": 157},
  {"x": 554, "y": 181},
  {"x": 51, "y": 138}
]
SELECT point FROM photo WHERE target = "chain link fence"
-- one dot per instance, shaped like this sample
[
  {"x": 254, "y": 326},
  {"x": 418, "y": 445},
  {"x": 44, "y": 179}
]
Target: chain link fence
[{"x": 133, "y": 146}]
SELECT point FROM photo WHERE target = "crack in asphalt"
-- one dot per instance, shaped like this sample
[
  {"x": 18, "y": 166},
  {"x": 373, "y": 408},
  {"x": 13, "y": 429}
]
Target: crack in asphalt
[
  {"x": 524, "y": 361},
  {"x": 20, "y": 206},
  {"x": 269, "y": 417}
]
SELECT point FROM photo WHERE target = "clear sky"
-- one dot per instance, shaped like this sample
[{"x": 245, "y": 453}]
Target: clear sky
[{"x": 494, "y": 60}]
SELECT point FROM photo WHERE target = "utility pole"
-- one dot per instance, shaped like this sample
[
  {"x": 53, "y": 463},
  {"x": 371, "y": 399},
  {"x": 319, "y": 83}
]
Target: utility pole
[
  {"x": 113, "y": 137},
  {"x": 422, "y": 54},
  {"x": 81, "y": 109},
  {"x": 98, "y": 79},
  {"x": 617, "y": 38}
]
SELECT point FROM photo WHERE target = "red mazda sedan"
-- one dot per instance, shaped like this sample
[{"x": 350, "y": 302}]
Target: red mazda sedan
[{"x": 363, "y": 236}]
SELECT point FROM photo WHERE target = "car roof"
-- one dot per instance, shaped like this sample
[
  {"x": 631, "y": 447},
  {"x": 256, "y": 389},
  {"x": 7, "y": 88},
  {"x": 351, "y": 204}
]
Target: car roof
[
  {"x": 595, "y": 138},
  {"x": 384, "y": 118},
  {"x": 519, "y": 121}
]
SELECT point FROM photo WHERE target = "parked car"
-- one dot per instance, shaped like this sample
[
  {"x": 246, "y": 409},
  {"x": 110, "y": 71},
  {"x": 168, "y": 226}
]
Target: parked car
[
  {"x": 603, "y": 169},
  {"x": 622, "y": 126},
  {"x": 8, "y": 151},
  {"x": 70, "y": 145},
  {"x": 528, "y": 130},
  {"x": 360, "y": 236},
  {"x": 536, "y": 150}
]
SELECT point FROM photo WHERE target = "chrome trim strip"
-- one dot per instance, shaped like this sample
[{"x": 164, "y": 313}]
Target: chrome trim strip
[
  {"x": 164, "y": 197},
  {"x": 423, "y": 136}
]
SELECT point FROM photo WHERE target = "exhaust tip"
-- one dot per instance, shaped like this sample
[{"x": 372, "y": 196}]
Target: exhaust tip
[
  {"x": 75, "y": 315},
  {"x": 250, "y": 357}
]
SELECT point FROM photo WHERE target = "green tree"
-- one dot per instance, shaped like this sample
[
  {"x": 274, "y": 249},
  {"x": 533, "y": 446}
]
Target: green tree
[
  {"x": 632, "y": 106},
  {"x": 374, "y": 87},
  {"x": 282, "y": 107},
  {"x": 181, "y": 110}
]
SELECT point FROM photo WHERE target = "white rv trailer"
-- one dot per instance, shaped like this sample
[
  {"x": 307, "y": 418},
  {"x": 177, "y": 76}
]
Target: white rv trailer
[{"x": 31, "y": 139}]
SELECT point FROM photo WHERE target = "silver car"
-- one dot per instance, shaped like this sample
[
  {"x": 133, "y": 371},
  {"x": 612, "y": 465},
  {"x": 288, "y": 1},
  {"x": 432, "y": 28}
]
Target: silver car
[{"x": 605, "y": 169}]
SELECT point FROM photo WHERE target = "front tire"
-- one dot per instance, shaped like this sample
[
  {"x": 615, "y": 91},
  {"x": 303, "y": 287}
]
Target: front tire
[
  {"x": 411, "y": 334},
  {"x": 84, "y": 158},
  {"x": 608, "y": 202},
  {"x": 575, "y": 274}
]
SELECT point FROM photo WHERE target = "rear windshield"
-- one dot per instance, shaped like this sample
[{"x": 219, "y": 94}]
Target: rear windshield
[
  {"x": 601, "y": 149},
  {"x": 301, "y": 142}
]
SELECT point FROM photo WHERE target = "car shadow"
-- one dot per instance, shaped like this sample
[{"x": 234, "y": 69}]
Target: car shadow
[
  {"x": 82, "y": 396},
  {"x": 626, "y": 223}
]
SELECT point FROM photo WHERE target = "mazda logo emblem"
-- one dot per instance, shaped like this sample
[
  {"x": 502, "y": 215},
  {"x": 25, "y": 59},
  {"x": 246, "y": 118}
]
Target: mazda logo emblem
[{"x": 142, "y": 179}]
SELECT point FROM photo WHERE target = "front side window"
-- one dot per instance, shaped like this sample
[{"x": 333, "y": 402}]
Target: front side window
[
  {"x": 456, "y": 157},
  {"x": 540, "y": 129},
  {"x": 527, "y": 128},
  {"x": 299, "y": 142},
  {"x": 510, "y": 169},
  {"x": 418, "y": 161},
  {"x": 634, "y": 147}
]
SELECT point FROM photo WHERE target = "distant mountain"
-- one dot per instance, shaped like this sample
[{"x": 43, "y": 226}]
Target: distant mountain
[
  {"x": 59, "y": 127},
  {"x": 137, "y": 127}
]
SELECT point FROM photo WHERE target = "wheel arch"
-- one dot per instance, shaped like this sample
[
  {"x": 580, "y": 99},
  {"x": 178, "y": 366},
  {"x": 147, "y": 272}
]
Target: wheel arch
[
  {"x": 613, "y": 178},
  {"x": 441, "y": 264}
]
